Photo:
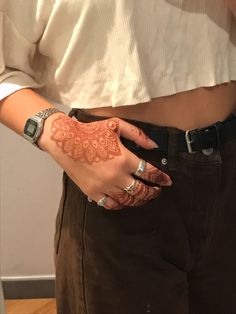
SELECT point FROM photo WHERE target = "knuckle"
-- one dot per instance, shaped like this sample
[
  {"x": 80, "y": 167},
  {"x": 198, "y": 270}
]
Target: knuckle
[
  {"x": 113, "y": 123},
  {"x": 123, "y": 162},
  {"x": 116, "y": 119},
  {"x": 111, "y": 177},
  {"x": 89, "y": 191}
]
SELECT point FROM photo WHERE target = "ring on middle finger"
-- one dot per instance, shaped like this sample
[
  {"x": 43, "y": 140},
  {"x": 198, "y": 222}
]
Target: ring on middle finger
[{"x": 131, "y": 187}]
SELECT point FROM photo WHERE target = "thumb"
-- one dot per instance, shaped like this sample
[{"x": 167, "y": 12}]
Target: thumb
[{"x": 134, "y": 133}]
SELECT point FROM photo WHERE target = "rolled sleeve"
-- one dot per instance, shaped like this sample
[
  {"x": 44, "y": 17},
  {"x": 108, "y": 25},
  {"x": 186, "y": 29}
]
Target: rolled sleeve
[
  {"x": 19, "y": 37},
  {"x": 14, "y": 81}
]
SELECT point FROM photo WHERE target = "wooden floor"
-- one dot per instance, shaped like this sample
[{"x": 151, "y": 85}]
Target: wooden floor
[{"x": 31, "y": 306}]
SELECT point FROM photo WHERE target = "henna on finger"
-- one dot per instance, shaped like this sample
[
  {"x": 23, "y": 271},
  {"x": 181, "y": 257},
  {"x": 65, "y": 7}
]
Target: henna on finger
[
  {"x": 140, "y": 190},
  {"x": 155, "y": 175},
  {"x": 124, "y": 198},
  {"x": 143, "y": 192},
  {"x": 141, "y": 202},
  {"x": 109, "y": 203},
  {"x": 119, "y": 207},
  {"x": 139, "y": 132},
  {"x": 141, "y": 195},
  {"x": 115, "y": 206}
]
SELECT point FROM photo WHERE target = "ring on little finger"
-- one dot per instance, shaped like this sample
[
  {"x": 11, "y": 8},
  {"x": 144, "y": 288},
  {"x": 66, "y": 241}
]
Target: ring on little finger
[
  {"x": 89, "y": 199},
  {"x": 102, "y": 201}
]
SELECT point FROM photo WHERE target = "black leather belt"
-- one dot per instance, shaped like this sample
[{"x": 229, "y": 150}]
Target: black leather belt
[
  {"x": 212, "y": 136},
  {"x": 198, "y": 140}
]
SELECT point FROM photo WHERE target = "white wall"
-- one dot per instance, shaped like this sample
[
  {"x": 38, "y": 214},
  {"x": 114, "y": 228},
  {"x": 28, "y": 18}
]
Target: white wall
[{"x": 30, "y": 188}]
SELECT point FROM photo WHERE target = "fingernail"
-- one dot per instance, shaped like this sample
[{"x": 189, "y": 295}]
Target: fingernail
[
  {"x": 167, "y": 181},
  {"x": 153, "y": 143},
  {"x": 170, "y": 182},
  {"x": 158, "y": 191}
]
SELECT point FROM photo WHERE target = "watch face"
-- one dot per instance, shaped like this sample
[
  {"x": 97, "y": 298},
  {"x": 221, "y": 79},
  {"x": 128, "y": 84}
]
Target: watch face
[{"x": 30, "y": 128}]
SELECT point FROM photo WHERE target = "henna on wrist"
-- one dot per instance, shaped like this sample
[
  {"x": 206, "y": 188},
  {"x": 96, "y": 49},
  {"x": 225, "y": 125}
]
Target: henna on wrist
[{"x": 86, "y": 142}]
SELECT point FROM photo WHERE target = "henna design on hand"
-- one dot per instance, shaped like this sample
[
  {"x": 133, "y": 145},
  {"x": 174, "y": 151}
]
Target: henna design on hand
[
  {"x": 155, "y": 175},
  {"x": 141, "y": 195},
  {"x": 123, "y": 198},
  {"x": 139, "y": 131},
  {"x": 86, "y": 142},
  {"x": 144, "y": 192}
]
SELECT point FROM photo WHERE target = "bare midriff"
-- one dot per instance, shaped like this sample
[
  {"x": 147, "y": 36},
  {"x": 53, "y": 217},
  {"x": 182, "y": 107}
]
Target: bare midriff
[{"x": 186, "y": 110}]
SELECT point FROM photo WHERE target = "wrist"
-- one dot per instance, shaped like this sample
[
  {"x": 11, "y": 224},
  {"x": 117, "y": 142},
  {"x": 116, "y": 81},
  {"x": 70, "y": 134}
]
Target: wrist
[{"x": 44, "y": 141}]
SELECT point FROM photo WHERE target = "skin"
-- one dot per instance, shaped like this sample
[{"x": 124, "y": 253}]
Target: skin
[
  {"x": 186, "y": 110},
  {"x": 100, "y": 175},
  {"x": 98, "y": 142},
  {"x": 111, "y": 166},
  {"x": 86, "y": 142},
  {"x": 97, "y": 177},
  {"x": 110, "y": 170}
]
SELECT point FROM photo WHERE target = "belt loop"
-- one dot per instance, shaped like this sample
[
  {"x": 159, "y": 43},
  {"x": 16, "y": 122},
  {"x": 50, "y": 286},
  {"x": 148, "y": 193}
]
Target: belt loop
[
  {"x": 172, "y": 148},
  {"x": 73, "y": 112}
]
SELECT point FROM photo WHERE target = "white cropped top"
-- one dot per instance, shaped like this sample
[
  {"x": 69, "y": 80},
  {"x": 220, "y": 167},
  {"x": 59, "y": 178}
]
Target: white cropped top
[{"x": 88, "y": 54}]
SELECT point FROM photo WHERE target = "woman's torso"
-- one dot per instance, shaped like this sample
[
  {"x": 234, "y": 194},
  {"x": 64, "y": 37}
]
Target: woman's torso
[
  {"x": 119, "y": 53},
  {"x": 188, "y": 110}
]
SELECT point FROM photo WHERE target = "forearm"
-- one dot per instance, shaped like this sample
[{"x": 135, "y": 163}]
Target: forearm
[{"x": 18, "y": 107}]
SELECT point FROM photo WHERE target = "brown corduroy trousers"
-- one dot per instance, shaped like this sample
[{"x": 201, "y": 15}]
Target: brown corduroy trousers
[{"x": 174, "y": 255}]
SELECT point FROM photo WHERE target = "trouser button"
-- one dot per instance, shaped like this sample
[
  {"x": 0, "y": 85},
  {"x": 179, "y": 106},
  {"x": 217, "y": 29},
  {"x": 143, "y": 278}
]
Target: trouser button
[
  {"x": 164, "y": 161},
  {"x": 208, "y": 151}
]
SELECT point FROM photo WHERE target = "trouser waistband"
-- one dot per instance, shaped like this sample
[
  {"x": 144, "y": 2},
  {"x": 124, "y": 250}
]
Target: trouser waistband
[{"x": 196, "y": 140}]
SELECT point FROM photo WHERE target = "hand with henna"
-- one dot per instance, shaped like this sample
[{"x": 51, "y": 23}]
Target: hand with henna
[{"x": 96, "y": 160}]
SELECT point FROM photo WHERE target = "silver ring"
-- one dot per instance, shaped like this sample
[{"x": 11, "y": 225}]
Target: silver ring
[
  {"x": 89, "y": 199},
  {"x": 102, "y": 201},
  {"x": 141, "y": 167},
  {"x": 131, "y": 187}
]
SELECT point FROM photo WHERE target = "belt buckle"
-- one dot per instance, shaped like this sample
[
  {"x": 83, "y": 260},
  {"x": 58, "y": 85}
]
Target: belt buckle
[
  {"x": 189, "y": 142},
  {"x": 206, "y": 151}
]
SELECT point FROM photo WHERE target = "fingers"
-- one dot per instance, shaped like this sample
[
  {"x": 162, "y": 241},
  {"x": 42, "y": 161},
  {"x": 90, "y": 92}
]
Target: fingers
[
  {"x": 134, "y": 133},
  {"x": 155, "y": 175},
  {"x": 142, "y": 169},
  {"x": 143, "y": 192},
  {"x": 139, "y": 195},
  {"x": 106, "y": 202}
]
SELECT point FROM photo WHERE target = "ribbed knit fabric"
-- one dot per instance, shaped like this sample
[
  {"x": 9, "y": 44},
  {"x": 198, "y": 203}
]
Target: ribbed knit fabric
[{"x": 100, "y": 53}]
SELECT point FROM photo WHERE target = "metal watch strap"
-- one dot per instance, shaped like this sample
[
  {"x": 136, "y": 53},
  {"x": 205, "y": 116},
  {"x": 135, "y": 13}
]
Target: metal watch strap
[
  {"x": 41, "y": 116},
  {"x": 45, "y": 113}
]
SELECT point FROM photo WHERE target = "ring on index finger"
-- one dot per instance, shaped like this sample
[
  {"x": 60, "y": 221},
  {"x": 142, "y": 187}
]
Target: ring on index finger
[
  {"x": 141, "y": 167},
  {"x": 131, "y": 187}
]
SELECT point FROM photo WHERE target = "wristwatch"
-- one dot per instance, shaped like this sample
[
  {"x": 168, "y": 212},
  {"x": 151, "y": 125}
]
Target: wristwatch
[{"x": 34, "y": 125}]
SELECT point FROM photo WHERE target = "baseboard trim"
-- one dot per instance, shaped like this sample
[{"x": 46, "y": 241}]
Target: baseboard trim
[{"x": 28, "y": 287}]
